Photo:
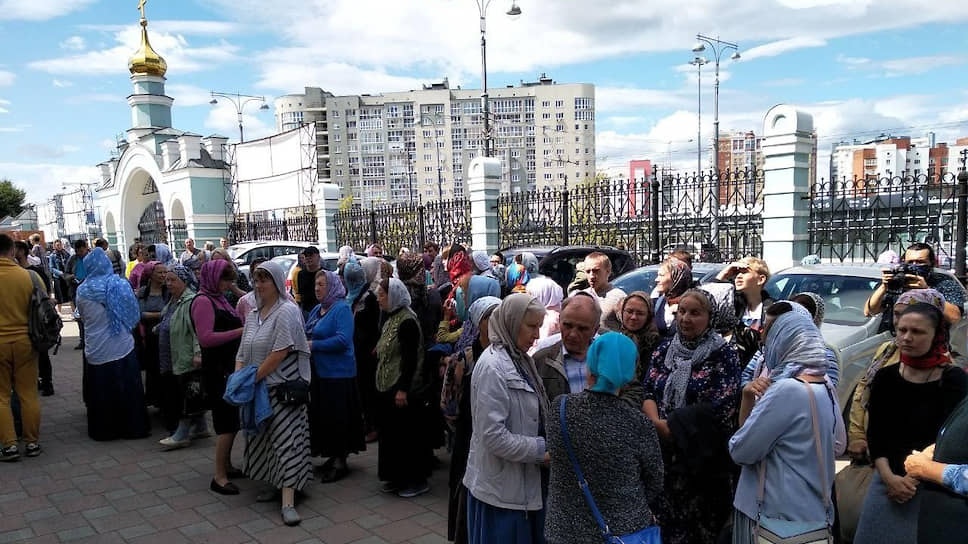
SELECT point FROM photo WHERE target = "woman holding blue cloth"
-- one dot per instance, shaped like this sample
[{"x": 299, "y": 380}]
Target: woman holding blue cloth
[
  {"x": 615, "y": 446},
  {"x": 335, "y": 418}
]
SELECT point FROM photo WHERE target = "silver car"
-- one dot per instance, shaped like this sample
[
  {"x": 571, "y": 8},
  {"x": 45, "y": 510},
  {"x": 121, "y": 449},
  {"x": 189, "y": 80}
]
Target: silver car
[{"x": 854, "y": 337}]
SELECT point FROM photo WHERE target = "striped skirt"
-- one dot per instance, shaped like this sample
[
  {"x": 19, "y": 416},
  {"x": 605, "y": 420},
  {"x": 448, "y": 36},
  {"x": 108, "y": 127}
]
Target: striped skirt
[{"x": 279, "y": 455}]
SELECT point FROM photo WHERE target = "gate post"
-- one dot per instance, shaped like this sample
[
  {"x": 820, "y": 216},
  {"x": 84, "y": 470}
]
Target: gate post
[
  {"x": 327, "y": 204},
  {"x": 654, "y": 188},
  {"x": 372, "y": 225},
  {"x": 961, "y": 225},
  {"x": 565, "y": 217},
  {"x": 484, "y": 183},
  {"x": 788, "y": 143}
]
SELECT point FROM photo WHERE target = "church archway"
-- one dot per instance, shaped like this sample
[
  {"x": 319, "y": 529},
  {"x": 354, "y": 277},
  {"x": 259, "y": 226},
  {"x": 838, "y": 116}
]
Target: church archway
[{"x": 152, "y": 227}]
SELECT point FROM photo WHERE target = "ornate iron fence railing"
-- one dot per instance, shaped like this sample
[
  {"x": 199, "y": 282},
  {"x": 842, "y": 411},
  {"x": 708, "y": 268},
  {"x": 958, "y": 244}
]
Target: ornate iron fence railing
[
  {"x": 283, "y": 224},
  {"x": 397, "y": 226}
]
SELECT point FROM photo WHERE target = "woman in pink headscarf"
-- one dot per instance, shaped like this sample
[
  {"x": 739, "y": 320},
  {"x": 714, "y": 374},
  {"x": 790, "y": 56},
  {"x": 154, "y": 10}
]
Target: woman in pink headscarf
[{"x": 219, "y": 331}]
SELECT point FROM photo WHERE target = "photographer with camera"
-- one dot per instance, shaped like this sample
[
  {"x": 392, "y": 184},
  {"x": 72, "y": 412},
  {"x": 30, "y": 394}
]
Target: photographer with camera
[{"x": 916, "y": 271}]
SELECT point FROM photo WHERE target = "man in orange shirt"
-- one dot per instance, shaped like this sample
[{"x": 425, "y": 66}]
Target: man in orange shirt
[{"x": 18, "y": 360}]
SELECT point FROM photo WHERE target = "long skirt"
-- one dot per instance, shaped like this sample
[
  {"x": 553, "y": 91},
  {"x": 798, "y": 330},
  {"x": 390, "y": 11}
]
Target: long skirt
[
  {"x": 279, "y": 454},
  {"x": 116, "y": 400},
  {"x": 487, "y": 524},
  {"x": 170, "y": 400},
  {"x": 403, "y": 457},
  {"x": 335, "y": 417},
  {"x": 883, "y": 520}
]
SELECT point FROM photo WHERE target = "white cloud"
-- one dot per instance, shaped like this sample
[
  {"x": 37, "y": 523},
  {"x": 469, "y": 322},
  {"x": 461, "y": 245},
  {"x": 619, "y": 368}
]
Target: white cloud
[
  {"x": 185, "y": 27},
  {"x": 175, "y": 49},
  {"x": 74, "y": 43},
  {"x": 223, "y": 119},
  {"x": 41, "y": 180},
  {"x": 2, "y": 104},
  {"x": 38, "y": 10},
  {"x": 630, "y": 98},
  {"x": 7, "y": 78},
  {"x": 773, "y": 49},
  {"x": 188, "y": 95},
  {"x": 45, "y": 151},
  {"x": 292, "y": 70},
  {"x": 95, "y": 97},
  {"x": 62, "y": 83},
  {"x": 919, "y": 65},
  {"x": 785, "y": 82}
]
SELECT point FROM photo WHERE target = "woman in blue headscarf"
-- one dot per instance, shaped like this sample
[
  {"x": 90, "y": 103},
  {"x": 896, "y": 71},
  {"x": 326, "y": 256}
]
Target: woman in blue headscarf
[
  {"x": 335, "y": 417},
  {"x": 113, "y": 389},
  {"x": 615, "y": 445}
]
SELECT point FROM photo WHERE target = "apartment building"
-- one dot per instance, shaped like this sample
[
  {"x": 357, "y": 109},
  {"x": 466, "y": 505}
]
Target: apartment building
[
  {"x": 890, "y": 156},
  {"x": 740, "y": 156},
  {"x": 417, "y": 145}
]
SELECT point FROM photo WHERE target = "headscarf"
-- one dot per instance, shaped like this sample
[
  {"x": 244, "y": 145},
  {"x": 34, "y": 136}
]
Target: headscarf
[
  {"x": 684, "y": 355},
  {"x": 681, "y": 275},
  {"x": 480, "y": 308},
  {"x": 146, "y": 271},
  {"x": 940, "y": 352},
  {"x": 457, "y": 265},
  {"x": 548, "y": 293},
  {"x": 185, "y": 275},
  {"x": 355, "y": 279},
  {"x": 163, "y": 254},
  {"x": 410, "y": 269},
  {"x": 335, "y": 290},
  {"x": 502, "y": 331},
  {"x": 398, "y": 296},
  {"x": 648, "y": 334},
  {"x": 278, "y": 276},
  {"x": 108, "y": 289},
  {"x": 819, "y": 303},
  {"x": 371, "y": 268},
  {"x": 611, "y": 359},
  {"x": 371, "y": 250},
  {"x": 210, "y": 276},
  {"x": 724, "y": 295},
  {"x": 530, "y": 263},
  {"x": 345, "y": 253},
  {"x": 794, "y": 345},
  {"x": 518, "y": 277},
  {"x": 482, "y": 261}
]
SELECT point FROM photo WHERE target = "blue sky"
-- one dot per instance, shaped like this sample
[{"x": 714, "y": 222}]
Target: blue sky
[{"x": 859, "y": 66}]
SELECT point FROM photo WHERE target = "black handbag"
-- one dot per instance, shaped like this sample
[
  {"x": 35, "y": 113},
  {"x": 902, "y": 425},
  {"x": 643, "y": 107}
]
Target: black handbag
[
  {"x": 293, "y": 392},
  {"x": 194, "y": 396}
]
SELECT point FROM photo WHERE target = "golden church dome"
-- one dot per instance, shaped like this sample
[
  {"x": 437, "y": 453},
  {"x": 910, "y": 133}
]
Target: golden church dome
[{"x": 146, "y": 60}]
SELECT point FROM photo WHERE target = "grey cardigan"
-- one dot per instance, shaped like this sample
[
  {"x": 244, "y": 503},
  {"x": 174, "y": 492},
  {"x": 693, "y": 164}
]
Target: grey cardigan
[
  {"x": 619, "y": 453},
  {"x": 503, "y": 465}
]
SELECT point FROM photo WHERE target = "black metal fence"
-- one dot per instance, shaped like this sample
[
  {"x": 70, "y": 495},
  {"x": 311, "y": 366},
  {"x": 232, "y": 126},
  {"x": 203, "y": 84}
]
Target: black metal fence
[
  {"x": 297, "y": 224},
  {"x": 648, "y": 217},
  {"x": 177, "y": 231},
  {"x": 855, "y": 220},
  {"x": 405, "y": 225}
]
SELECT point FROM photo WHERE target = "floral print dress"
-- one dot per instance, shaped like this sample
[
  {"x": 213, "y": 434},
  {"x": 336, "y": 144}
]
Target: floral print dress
[{"x": 699, "y": 481}]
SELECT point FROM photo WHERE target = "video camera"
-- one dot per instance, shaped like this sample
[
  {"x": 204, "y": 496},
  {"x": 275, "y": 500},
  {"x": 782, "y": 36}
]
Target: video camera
[{"x": 903, "y": 274}]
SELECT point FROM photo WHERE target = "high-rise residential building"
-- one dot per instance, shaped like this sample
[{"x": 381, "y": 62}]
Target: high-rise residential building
[
  {"x": 418, "y": 144},
  {"x": 892, "y": 156},
  {"x": 740, "y": 156}
]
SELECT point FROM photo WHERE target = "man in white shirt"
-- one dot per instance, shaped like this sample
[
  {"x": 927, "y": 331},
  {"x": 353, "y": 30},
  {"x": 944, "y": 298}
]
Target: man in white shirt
[{"x": 598, "y": 268}]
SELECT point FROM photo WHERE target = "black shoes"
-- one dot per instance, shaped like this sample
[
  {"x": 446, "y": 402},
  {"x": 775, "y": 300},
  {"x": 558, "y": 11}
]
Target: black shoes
[
  {"x": 10, "y": 453},
  {"x": 227, "y": 489},
  {"x": 46, "y": 389},
  {"x": 32, "y": 450}
]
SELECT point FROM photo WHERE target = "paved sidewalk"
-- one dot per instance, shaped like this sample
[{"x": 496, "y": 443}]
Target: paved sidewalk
[{"x": 80, "y": 490}]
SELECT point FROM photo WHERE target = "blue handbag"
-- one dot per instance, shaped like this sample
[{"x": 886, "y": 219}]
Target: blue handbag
[{"x": 649, "y": 535}]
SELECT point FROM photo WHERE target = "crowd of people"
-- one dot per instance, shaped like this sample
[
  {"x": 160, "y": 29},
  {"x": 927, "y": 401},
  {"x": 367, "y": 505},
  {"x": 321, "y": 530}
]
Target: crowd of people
[{"x": 701, "y": 413}]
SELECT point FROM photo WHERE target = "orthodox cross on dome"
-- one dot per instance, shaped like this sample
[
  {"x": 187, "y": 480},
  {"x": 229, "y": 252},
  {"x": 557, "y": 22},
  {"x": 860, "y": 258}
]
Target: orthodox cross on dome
[{"x": 141, "y": 7}]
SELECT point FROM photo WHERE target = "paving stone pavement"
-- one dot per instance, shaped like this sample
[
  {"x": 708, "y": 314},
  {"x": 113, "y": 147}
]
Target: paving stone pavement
[{"x": 81, "y": 491}]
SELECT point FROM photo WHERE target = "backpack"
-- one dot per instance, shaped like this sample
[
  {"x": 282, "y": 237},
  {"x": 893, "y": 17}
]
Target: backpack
[{"x": 44, "y": 323}]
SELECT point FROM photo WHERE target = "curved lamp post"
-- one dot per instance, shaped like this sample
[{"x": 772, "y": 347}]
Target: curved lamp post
[
  {"x": 239, "y": 101},
  {"x": 514, "y": 13}
]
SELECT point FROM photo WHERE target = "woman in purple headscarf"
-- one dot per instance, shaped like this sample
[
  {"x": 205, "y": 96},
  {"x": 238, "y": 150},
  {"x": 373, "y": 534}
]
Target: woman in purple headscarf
[
  {"x": 219, "y": 332},
  {"x": 335, "y": 415}
]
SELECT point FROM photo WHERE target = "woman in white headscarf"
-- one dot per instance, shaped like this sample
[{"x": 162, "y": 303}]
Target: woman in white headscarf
[
  {"x": 274, "y": 341},
  {"x": 508, "y": 401},
  {"x": 776, "y": 443},
  {"x": 404, "y": 458},
  {"x": 550, "y": 295}
]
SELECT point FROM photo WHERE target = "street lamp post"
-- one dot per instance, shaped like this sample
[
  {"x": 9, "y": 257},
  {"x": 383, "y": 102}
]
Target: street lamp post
[
  {"x": 514, "y": 12},
  {"x": 433, "y": 122},
  {"x": 718, "y": 47},
  {"x": 239, "y": 101},
  {"x": 698, "y": 62}
]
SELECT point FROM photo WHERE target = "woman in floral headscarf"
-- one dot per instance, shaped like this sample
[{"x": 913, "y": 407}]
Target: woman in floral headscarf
[
  {"x": 674, "y": 278},
  {"x": 335, "y": 418},
  {"x": 691, "y": 394},
  {"x": 909, "y": 402}
]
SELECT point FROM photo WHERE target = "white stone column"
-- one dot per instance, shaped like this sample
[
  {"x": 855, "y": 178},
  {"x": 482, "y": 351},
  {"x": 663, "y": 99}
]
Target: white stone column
[
  {"x": 786, "y": 209},
  {"x": 327, "y": 204},
  {"x": 484, "y": 183}
]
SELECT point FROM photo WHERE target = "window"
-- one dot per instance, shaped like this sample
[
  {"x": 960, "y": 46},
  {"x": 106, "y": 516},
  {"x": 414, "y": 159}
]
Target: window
[
  {"x": 335, "y": 126},
  {"x": 336, "y": 114},
  {"x": 545, "y": 103},
  {"x": 560, "y": 115},
  {"x": 337, "y": 149},
  {"x": 336, "y": 137},
  {"x": 515, "y": 178},
  {"x": 547, "y": 177},
  {"x": 351, "y": 113},
  {"x": 546, "y": 115},
  {"x": 428, "y": 157},
  {"x": 559, "y": 103}
]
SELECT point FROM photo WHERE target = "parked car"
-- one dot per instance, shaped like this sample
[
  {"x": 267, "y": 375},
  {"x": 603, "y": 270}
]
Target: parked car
[
  {"x": 559, "y": 263},
  {"x": 853, "y": 337},
  {"x": 643, "y": 278}
]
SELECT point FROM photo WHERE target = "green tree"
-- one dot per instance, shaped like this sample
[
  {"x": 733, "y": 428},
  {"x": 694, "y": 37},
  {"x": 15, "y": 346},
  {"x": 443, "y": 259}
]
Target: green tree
[
  {"x": 346, "y": 203},
  {"x": 11, "y": 198}
]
